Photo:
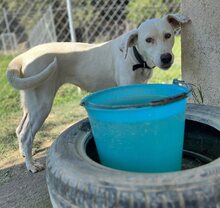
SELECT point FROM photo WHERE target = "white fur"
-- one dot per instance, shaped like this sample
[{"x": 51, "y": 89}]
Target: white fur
[{"x": 39, "y": 72}]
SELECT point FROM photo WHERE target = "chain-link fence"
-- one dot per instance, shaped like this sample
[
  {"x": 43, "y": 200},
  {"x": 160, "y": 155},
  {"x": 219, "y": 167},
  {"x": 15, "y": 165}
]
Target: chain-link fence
[
  {"x": 26, "y": 23},
  {"x": 26, "y": 20}
]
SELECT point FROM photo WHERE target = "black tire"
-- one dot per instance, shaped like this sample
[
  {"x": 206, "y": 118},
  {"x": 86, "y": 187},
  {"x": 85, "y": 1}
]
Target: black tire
[{"x": 75, "y": 180}]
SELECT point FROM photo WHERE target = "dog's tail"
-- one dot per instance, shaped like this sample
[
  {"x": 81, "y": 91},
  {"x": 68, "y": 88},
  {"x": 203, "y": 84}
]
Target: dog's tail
[{"x": 15, "y": 78}]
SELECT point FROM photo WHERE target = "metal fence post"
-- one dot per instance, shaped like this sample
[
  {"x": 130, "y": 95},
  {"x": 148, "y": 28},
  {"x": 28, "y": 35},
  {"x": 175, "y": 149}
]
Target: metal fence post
[
  {"x": 6, "y": 20},
  {"x": 70, "y": 19}
]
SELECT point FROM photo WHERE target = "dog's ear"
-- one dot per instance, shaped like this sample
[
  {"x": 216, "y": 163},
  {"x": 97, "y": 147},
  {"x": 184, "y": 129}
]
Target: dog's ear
[
  {"x": 128, "y": 40},
  {"x": 177, "y": 19}
]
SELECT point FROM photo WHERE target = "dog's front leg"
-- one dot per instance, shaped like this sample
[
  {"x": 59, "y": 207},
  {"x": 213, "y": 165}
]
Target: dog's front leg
[{"x": 124, "y": 76}]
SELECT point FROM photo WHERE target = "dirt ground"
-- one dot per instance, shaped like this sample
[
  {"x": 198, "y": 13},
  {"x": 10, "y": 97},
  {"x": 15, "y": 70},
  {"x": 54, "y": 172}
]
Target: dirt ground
[{"x": 22, "y": 189}]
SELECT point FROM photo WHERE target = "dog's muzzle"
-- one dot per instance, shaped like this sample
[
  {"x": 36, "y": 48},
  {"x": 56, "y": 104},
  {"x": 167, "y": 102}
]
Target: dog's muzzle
[{"x": 166, "y": 60}]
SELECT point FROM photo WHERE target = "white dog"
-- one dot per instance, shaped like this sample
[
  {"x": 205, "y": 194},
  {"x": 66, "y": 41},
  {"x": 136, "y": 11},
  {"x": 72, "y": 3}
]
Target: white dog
[{"x": 128, "y": 59}]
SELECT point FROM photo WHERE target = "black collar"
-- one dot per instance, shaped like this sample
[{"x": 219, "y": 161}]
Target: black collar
[{"x": 142, "y": 64}]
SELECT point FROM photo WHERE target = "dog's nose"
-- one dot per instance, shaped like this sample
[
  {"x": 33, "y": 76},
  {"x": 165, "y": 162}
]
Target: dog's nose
[{"x": 166, "y": 58}]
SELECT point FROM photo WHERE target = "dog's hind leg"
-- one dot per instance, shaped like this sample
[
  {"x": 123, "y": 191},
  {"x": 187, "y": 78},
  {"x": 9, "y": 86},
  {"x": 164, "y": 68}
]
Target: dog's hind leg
[
  {"x": 19, "y": 129},
  {"x": 31, "y": 125},
  {"x": 37, "y": 103}
]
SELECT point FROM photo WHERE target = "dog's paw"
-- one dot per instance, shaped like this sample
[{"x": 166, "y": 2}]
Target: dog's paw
[{"x": 35, "y": 167}]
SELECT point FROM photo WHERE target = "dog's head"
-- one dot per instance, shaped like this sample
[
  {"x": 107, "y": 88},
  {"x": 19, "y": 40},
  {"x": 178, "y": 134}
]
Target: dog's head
[{"x": 154, "y": 39}]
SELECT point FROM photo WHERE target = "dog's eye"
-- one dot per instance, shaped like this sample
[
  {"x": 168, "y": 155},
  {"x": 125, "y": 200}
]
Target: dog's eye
[
  {"x": 167, "y": 35},
  {"x": 149, "y": 40}
]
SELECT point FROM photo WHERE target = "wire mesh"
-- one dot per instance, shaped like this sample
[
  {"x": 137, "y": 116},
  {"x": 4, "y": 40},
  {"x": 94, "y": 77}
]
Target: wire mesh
[
  {"x": 93, "y": 20},
  {"x": 26, "y": 23}
]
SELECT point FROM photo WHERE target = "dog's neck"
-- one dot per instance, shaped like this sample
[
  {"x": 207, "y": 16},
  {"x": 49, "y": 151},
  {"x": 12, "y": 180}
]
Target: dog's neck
[{"x": 139, "y": 61}]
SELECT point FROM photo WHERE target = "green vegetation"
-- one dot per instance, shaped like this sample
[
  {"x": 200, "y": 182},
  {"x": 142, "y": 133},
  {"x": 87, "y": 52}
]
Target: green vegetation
[
  {"x": 150, "y": 9},
  {"x": 8, "y": 96},
  {"x": 66, "y": 109}
]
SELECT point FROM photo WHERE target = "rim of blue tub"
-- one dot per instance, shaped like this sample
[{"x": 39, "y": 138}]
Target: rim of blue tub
[{"x": 186, "y": 92}]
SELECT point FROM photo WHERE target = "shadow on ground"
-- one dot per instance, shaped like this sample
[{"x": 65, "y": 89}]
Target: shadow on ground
[{"x": 22, "y": 189}]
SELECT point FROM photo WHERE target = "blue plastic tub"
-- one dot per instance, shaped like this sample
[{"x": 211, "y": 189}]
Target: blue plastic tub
[{"x": 140, "y": 127}]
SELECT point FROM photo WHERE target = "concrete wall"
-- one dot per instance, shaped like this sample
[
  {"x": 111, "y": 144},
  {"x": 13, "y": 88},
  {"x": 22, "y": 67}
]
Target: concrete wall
[{"x": 201, "y": 47}]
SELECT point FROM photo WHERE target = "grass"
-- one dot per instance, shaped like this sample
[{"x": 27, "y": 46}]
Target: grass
[
  {"x": 8, "y": 96},
  {"x": 66, "y": 109}
]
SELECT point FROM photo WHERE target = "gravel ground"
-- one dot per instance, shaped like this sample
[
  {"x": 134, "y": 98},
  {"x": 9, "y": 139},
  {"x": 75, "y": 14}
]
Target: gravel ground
[{"x": 21, "y": 189}]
